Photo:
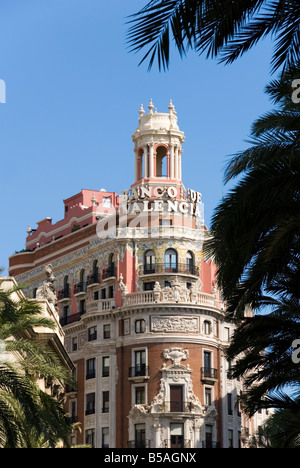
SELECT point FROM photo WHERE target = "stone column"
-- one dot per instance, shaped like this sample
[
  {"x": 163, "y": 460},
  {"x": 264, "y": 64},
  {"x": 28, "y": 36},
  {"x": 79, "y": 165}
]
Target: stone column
[
  {"x": 172, "y": 162},
  {"x": 176, "y": 163},
  {"x": 151, "y": 160}
]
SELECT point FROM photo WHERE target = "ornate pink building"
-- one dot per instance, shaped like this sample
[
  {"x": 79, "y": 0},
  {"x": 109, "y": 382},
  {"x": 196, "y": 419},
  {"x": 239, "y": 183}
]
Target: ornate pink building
[{"x": 143, "y": 320}]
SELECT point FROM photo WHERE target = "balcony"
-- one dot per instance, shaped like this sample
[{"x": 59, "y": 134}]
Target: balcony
[
  {"x": 209, "y": 374},
  {"x": 64, "y": 294},
  {"x": 176, "y": 442},
  {"x": 163, "y": 296},
  {"x": 166, "y": 269},
  {"x": 177, "y": 406},
  {"x": 100, "y": 306},
  {"x": 110, "y": 272},
  {"x": 79, "y": 289},
  {"x": 209, "y": 444},
  {"x": 138, "y": 444},
  {"x": 70, "y": 319},
  {"x": 93, "y": 280},
  {"x": 138, "y": 371}
]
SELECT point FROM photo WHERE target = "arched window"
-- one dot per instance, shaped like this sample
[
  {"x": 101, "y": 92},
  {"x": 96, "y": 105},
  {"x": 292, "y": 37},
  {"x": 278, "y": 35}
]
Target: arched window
[
  {"x": 190, "y": 262},
  {"x": 161, "y": 162},
  {"x": 171, "y": 263},
  {"x": 66, "y": 283},
  {"x": 149, "y": 262},
  {"x": 82, "y": 276},
  {"x": 111, "y": 260},
  {"x": 95, "y": 267},
  {"x": 111, "y": 270},
  {"x": 141, "y": 164}
]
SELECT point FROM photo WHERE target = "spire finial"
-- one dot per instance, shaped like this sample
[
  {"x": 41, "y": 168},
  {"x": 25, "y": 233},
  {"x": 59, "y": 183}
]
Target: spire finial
[
  {"x": 151, "y": 107},
  {"x": 171, "y": 107},
  {"x": 141, "y": 111}
]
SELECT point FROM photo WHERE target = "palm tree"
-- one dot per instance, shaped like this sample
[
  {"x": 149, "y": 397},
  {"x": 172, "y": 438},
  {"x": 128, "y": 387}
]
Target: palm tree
[
  {"x": 281, "y": 430},
  {"x": 27, "y": 413},
  {"x": 255, "y": 241},
  {"x": 223, "y": 28},
  {"x": 255, "y": 229}
]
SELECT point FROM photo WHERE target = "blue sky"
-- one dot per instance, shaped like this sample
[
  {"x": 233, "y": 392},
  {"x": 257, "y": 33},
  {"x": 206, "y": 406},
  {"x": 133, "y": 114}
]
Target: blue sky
[{"x": 73, "y": 95}]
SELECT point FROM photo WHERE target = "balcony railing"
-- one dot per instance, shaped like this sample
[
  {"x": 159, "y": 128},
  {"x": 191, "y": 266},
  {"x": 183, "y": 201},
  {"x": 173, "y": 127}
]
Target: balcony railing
[
  {"x": 209, "y": 444},
  {"x": 71, "y": 318},
  {"x": 100, "y": 306},
  {"x": 80, "y": 288},
  {"x": 150, "y": 297},
  {"x": 138, "y": 444},
  {"x": 92, "y": 279},
  {"x": 177, "y": 406},
  {"x": 64, "y": 293},
  {"x": 169, "y": 268},
  {"x": 109, "y": 272},
  {"x": 138, "y": 371},
  {"x": 208, "y": 373},
  {"x": 177, "y": 442}
]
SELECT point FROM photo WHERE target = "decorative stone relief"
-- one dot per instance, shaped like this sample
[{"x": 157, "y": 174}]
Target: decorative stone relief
[
  {"x": 176, "y": 355},
  {"x": 82, "y": 339},
  {"x": 174, "y": 324}
]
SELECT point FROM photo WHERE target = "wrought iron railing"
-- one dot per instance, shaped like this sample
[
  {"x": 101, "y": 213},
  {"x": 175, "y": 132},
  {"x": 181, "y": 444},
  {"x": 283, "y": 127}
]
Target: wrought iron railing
[
  {"x": 64, "y": 293},
  {"x": 208, "y": 373},
  {"x": 138, "y": 371},
  {"x": 93, "y": 278},
  {"x": 109, "y": 272},
  {"x": 169, "y": 268},
  {"x": 80, "y": 287}
]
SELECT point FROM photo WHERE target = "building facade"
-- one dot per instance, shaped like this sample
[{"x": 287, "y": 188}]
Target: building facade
[{"x": 142, "y": 316}]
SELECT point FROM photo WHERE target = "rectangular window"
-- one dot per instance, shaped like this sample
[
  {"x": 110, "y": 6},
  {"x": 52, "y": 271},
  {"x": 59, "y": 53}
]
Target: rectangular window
[
  {"x": 176, "y": 398},
  {"x": 207, "y": 360},
  {"x": 74, "y": 343},
  {"x": 90, "y": 403},
  {"x": 82, "y": 308},
  {"x": 230, "y": 438},
  {"x": 208, "y": 436},
  {"x": 105, "y": 366},
  {"x": 207, "y": 395},
  {"x": 229, "y": 403},
  {"x": 140, "y": 362},
  {"x": 177, "y": 440},
  {"x": 90, "y": 368},
  {"x": 105, "y": 402},
  {"x": 92, "y": 334},
  {"x": 149, "y": 286},
  {"x": 73, "y": 411},
  {"x": 140, "y": 435},
  {"x": 106, "y": 331},
  {"x": 103, "y": 293},
  {"x": 111, "y": 292},
  {"x": 90, "y": 437},
  {"x": 96, "y": 295},
  {"x": 105, "y": 437},
  {"x": 140, "y": 396}
]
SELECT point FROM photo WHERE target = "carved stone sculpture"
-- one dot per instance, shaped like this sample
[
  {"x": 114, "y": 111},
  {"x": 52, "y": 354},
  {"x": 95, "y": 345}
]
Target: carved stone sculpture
[
  {"x": 47, "y": 290},
  {"x": 176, "y": 355}
]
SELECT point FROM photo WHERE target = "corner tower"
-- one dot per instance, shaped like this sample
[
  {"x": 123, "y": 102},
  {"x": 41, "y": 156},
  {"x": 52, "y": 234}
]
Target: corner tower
[{"x": 158, "y": 148}]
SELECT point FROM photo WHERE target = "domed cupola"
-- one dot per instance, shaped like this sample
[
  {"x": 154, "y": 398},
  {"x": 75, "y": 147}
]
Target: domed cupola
[{"x": 157, "y": 148}]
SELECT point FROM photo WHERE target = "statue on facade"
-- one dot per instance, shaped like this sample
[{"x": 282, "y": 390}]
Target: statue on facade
[{"x": 47, "y": 291}]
